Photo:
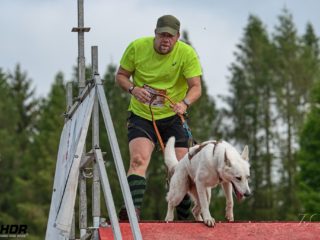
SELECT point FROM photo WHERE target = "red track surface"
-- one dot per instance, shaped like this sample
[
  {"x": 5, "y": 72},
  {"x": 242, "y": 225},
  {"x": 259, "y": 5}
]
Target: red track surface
[{"x": 225, "y": 231}]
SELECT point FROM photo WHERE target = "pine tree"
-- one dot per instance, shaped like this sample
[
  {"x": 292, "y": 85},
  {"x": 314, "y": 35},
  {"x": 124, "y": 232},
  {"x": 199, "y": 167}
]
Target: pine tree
[
  {"x": 249, "y": 108},
  {"x": 310, "y": 64},
  {"x": 8, "y": 153},
  {"x": 44, "y": 151},
  {"x": 308, "y": 177},
  {"x": 25, "y": 104},
  {"x": 292, "y": 81},
  {"x": 309, "y": 155}
]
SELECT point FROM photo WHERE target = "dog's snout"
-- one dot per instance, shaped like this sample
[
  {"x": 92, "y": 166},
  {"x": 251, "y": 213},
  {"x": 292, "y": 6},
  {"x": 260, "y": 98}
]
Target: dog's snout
[{"x": 247, "y": 194}]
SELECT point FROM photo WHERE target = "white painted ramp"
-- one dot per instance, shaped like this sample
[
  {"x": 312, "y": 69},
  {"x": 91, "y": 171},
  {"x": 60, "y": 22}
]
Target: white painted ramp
[{"x": 67, "y": 170}]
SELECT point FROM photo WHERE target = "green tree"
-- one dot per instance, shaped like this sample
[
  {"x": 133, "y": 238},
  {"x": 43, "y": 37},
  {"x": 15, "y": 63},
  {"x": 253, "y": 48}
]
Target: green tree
[
  {"x": 44, "y": 152},
  {"x": 23, "y": 101},
  {"x": 309, "y": 155},
  {"x": 249, "y": 107},
  {"x": 295, "y": 69},
  {"x": 310, "y": 64},
  {"x": 26, "y": 104},
  {"x": 8, "y": 153},
  {"x": 308, "y": 141}
]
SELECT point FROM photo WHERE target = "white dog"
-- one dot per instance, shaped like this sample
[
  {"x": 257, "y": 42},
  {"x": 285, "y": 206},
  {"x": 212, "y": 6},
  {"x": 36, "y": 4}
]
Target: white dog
[{"x": 204, "y": 167}]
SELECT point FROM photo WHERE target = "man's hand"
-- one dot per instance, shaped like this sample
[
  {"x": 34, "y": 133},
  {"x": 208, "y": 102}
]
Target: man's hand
[
  {"x": 179, "y": 108},
  {"x": 141, "y": 94}
]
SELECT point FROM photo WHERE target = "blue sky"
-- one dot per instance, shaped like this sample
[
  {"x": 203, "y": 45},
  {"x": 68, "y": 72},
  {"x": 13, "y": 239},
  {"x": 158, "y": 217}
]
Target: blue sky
[{"x": 37, "y": 33}]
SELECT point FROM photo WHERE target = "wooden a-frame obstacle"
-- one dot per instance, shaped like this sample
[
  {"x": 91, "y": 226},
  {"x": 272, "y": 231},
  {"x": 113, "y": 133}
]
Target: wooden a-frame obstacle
[
  {"x": 72, "y": 159},
  {"x": 70, "y": 164}
]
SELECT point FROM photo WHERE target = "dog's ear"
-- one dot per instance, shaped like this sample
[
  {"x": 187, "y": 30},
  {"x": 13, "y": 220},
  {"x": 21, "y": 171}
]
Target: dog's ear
[
  {"x": 245, "y": 153},
  {"x": 226, "y": 159}
]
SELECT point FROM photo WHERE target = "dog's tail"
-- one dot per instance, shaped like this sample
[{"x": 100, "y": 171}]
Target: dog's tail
[{"x": 170, "y": 157}]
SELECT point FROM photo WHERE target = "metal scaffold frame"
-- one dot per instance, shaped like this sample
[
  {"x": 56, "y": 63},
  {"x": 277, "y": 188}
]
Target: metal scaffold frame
[{"x": 61, "y": 222}]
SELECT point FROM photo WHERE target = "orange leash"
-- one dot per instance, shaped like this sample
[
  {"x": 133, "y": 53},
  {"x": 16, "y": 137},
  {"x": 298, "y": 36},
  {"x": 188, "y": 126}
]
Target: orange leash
[
  {"x": 154, "y": 122},
  {"x": 158, "y": 133}
]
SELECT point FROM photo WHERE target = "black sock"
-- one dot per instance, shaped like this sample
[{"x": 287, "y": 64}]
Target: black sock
[
  {"x": 137, "y": 186},
  {"x": 183, "y": 209}
]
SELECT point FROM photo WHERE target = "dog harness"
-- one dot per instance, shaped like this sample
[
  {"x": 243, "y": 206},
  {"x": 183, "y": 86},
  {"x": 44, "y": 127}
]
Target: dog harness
[{"x": 201, "y": 146}]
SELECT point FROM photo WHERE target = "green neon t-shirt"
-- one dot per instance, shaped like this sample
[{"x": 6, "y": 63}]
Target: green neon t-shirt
[{"x": 168, "y": 72}]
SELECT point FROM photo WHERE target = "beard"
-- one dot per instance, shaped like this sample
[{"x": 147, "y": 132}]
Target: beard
[{"x": 164, "y": 49}]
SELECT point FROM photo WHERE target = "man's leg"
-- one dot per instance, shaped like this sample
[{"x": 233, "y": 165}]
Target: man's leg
[{"x": 140, "y": 153}]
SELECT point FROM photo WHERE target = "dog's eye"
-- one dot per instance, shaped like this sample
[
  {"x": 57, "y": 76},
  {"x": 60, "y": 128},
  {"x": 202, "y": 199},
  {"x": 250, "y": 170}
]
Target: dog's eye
[{"x": 239, "y": 178}]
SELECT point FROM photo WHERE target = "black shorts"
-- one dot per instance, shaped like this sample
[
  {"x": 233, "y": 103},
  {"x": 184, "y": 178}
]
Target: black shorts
[{"x": 171, "y": 126}]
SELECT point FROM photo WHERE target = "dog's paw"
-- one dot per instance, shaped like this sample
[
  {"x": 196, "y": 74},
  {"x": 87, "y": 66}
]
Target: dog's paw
[
  {"x": 168, "y": 218},
  {"x": 229, "y": 216},
  {"x": 209, "y": 222}
]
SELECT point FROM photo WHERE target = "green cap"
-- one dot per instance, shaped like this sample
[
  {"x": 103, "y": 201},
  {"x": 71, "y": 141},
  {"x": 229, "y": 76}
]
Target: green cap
[{"x": 168, "y": 24}]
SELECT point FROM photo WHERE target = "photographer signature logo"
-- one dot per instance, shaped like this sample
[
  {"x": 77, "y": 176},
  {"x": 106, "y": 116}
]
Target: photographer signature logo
[{"x": 307, "y": 217}]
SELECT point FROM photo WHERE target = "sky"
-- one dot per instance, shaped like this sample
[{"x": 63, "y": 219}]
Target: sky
[{"x": 37, "y": 33}]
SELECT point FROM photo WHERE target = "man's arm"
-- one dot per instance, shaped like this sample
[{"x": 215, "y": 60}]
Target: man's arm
[
  {"x": 123, "y": 80},
  {"x": 194, "y": 91},
  {"x": 193, "y": 94}
]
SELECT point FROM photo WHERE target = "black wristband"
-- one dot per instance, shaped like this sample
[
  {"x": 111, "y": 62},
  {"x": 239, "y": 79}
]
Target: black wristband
[
  {"x": 131, "y": 89},
  {"x": 186, "y": 102}
]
